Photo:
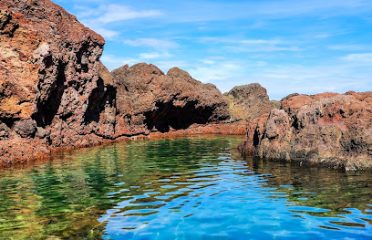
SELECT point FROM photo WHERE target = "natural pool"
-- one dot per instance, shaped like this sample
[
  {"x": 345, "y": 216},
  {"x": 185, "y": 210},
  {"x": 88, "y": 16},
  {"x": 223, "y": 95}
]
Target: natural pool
[{"x": 189, "y": 188}]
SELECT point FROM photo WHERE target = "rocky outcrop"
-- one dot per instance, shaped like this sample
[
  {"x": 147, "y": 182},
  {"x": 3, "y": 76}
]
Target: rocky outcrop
[
  {"x": 52, "y": 86},
  {"x": 328, "y": 129},
  {"x": 162, "y": 102},
  {"x": 248, "y": 102},
  {"x": 55, "y": 93}
]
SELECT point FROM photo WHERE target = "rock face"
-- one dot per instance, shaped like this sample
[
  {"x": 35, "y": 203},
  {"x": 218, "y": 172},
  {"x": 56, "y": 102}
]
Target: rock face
[
  {"x": 55, "y": 93},
  {"x": 164, "y": 101},
  {"x": 248, "y": 102},
  {"x": 52, "y": 85},
  {"x": 329, "y": 129}
]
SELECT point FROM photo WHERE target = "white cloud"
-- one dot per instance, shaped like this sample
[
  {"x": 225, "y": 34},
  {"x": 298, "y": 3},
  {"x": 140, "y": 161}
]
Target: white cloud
[
  {"x": 359, "y": 58},
  {"x": 111, "y": 13},
  {"x": 106, "y": 33},
  {"x": 152, "y": 43},
  {"x": 253, "y": 45},
  {"x": 215, "y": 72},
  {"x": 102, "y": 17},
  {"x": 347, "y": 47},
  {"x": 113, "y": 62},
  {"x": 154, "y": 55}
]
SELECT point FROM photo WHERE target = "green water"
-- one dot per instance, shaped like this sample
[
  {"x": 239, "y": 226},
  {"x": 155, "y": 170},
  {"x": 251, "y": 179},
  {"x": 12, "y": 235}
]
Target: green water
[{"x": 190, "y": 188}]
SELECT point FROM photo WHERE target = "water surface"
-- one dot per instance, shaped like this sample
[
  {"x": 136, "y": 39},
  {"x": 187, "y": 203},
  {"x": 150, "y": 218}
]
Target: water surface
[{"x": 190, "y": 188}]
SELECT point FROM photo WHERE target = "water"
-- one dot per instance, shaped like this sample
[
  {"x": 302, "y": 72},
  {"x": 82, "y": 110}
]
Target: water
[{"x": 191, "y": 188}]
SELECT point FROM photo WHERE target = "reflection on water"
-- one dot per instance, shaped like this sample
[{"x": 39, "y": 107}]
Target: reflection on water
[{"x": 191, "y": 188}]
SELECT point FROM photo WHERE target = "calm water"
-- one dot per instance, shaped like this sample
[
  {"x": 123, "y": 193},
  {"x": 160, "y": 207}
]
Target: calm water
[{"x": 192, "y": 188}]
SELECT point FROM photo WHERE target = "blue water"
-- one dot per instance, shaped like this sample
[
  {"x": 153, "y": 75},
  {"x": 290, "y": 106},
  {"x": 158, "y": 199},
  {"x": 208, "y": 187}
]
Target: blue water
[{"x": 191, "y": 188}]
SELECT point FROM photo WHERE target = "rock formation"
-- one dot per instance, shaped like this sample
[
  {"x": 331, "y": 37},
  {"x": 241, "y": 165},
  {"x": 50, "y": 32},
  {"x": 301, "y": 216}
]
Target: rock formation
[
  {"x": 248, "y": 102},
  {"x": 328, "y": 129},
  {"x": 55, "y": 93},
  {"x": 52, "y": 88},
  {"x": 165, "y": 101}
]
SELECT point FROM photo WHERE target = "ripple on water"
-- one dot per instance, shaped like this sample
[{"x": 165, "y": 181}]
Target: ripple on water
[{"x": 190, "y": 188}]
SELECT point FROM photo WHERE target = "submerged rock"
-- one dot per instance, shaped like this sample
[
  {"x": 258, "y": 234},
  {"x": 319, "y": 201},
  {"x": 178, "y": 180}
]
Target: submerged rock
[
  {"x": 329, "y": 129},
  {"x": 148, "y": 99}
]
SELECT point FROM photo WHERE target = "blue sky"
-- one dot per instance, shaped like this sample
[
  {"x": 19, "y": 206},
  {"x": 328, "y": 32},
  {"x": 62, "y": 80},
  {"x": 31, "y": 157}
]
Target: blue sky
[{"x": 287, "y": 46}]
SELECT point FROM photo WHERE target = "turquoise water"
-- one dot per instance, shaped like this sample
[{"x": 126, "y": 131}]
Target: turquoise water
[{"x": 190, "y": 188}]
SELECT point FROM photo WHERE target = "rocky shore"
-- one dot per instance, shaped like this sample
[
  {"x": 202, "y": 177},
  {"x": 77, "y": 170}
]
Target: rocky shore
[
  {"x": 56, "y": 94},
  {"x": 328, "y": 129}
]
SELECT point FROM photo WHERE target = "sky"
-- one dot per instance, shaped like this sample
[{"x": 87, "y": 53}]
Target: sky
[{"x": 287, "y": 46}]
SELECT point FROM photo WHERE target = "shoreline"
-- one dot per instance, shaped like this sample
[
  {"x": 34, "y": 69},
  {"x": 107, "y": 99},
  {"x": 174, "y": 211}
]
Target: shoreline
[{"x": 48, "y": 153}]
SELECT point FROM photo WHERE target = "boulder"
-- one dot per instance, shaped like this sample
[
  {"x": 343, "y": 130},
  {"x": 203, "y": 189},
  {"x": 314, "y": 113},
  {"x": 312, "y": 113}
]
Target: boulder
[{"x": 248, "y": 102}]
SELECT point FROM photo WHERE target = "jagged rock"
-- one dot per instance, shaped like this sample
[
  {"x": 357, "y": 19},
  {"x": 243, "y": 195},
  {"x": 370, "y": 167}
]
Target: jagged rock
[
  {"x": 164, "y": 101},
  {"x": 327, "y": 129},
  {"x": 25, "y": 128},
  {"x": 4, "y": 131},
  {"x": 51, "y": 78},
  {"x": 249, "y": 102}
]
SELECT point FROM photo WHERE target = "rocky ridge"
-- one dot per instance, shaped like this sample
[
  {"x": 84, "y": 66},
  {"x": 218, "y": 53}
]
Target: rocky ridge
[{"x": 329, "y": 129}]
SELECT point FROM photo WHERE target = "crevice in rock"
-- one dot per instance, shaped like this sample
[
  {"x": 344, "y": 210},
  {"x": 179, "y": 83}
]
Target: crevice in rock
[
  {"x": 46, "y": 110},
  {"x": 168, "y": 116},
  {"x": 9, "y": 122},
  {"x": 256, "y": 137},
  {"x": 99, "y": 98},
  {"x": 81, "y": 58}
]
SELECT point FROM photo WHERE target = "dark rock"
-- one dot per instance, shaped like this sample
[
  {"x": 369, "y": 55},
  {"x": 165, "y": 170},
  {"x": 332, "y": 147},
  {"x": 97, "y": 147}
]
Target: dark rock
[
  {"x": 25, "y": 128},
  {"x": 4, "y": 131}
]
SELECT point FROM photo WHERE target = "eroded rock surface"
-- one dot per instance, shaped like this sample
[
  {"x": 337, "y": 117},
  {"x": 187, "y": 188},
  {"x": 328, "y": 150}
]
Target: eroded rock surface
[
  {"x": 164, "y": 101},
  {"x": 51, "y": 88},
  {"x": 55, "y": 93},
  {"x": 329, "y": 129},
  {"x": 248, "y": 102}
]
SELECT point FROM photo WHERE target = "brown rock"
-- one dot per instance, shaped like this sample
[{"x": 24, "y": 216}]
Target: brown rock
[
  {"x": 25, "y": 128},
  {"x": 52, "y": 84},
  {"x": 327, "y": 129},
  {"x": 164, "y": 102},
  {"x": 248, "y": 102}
]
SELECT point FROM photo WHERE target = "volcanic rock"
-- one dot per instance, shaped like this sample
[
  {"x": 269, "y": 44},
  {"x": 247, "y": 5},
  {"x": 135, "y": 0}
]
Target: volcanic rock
[
  {"x": 248, "y": 102},
  {"x": 148, "y": 99},
  {"x": 51, "y": 79},
  {"x": 328, "y": 129}
]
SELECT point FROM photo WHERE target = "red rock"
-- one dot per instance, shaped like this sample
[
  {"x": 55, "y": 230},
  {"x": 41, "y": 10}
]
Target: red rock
[
  {"x": 52, "y": 85},
  {"x": 328, "y": 129},
  {"x": 150, "y": 100}
]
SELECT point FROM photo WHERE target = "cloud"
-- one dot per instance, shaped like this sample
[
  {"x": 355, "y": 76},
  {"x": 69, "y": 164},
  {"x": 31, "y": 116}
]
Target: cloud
[
  {"x": 215, "y": 72},
  {"x": 202, "y": 11},
  {"x": 347, "y": 47},
  {"x": 106, "y": 33},
  {"x": 359, "y": 58},
  {"x": 252, "y": 45},
  {"x": 152, "y": 43},
  {"x": 101, "y": 18},
  {"x": 154, "y": 55},
  {"x": 111, "y": 13},
  {"x": 113, "y": 62}
]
